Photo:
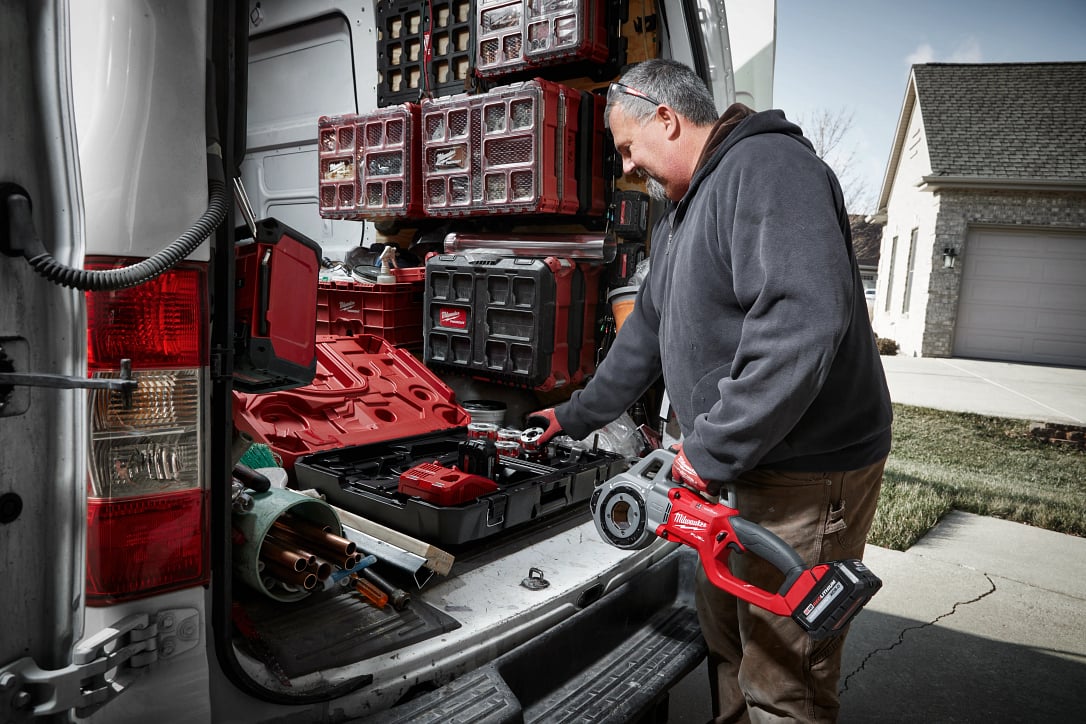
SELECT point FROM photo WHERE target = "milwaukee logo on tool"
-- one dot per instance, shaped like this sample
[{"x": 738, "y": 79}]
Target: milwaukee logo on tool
[
  {"x": 685, "y": 522},
  {"x": 348, "y": 306},
  {"x": 457, "y": 318}
]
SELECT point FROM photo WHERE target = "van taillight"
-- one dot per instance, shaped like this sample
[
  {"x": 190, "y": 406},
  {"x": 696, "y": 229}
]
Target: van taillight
[{"x": 146, "y": 499}]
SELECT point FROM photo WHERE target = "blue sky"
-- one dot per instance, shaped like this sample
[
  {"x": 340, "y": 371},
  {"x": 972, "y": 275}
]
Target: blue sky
[{"x": 854, "y": 55}]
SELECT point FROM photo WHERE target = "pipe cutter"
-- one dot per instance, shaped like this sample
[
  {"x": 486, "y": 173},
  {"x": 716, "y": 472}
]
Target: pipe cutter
[{"x": 635, "y": 507}]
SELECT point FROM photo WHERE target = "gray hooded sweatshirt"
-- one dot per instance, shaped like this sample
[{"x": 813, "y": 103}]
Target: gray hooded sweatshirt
[{"x": 754, "y": 313}]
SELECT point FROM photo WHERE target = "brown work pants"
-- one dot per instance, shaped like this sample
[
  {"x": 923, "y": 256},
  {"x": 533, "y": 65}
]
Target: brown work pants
[{"x": 764, "y": 667}]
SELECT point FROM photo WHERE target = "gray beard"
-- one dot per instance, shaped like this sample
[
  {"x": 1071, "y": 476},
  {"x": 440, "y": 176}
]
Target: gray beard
[{"x": 655, "y": 189}]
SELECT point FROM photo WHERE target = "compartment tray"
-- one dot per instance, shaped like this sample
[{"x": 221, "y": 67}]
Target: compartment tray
[{"x": 364, "y": 480}]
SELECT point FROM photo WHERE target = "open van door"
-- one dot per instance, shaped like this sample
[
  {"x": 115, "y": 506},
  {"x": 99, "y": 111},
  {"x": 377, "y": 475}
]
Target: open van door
[{"x": 42, "y": 425}]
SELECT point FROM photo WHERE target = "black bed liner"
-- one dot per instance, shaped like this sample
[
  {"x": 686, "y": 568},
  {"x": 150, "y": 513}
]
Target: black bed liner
[{"x": 614, "y": 661}]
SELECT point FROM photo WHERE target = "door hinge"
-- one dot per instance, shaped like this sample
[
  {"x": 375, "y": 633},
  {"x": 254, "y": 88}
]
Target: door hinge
[{"x": 122, "y": 652}]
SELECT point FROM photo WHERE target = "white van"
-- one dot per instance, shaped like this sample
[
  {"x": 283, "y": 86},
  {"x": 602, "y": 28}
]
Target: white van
[{"x": 115, "y": 514}]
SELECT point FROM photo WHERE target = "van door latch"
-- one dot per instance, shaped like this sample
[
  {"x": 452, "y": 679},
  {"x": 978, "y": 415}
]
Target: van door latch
[
  {"x": 127, "y": 649},
  {"x": 124, "y": 384}
]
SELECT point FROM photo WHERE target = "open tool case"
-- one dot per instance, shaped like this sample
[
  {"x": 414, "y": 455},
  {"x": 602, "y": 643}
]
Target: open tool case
[
  {"x": 373, "y": 413},
  {"x": 366, "y": 480}
]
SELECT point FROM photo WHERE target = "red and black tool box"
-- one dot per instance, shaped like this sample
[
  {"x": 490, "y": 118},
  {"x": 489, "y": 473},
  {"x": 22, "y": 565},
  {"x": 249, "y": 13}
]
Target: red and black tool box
[
  {"x": 369, "y": 164},
  {"x": 513, "y": 150},
  {"x": 523, "y": 321},
  {"x": 516, "y": 35},
  {"x": 367, "y": 480},
  {"x": 381, "y": 436},
  {"x": 275, "y": 305}
]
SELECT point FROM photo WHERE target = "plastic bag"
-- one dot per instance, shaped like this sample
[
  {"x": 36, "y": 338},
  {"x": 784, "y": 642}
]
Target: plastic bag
[{"x": 620, "y": 437}]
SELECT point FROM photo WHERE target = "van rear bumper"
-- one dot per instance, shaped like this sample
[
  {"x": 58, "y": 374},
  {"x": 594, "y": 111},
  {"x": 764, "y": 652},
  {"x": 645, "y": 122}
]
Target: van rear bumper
[{"x": 613, "y": 661}]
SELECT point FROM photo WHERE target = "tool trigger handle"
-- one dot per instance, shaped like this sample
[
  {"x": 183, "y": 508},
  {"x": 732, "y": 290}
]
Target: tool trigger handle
[{"x": 768, "y": 546}]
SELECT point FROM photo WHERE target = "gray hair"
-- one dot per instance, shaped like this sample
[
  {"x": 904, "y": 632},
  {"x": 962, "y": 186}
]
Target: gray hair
[{"x": 666, "y": 82}]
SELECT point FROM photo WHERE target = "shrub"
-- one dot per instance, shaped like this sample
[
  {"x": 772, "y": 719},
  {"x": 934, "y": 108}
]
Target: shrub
[{"x": 886, "y": 346}]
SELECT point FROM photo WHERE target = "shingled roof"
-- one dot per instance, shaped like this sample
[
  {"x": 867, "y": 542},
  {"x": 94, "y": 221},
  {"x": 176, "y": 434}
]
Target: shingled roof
[
  {"x": 1019, "y": 122},
  {"x": 1012, "y": 120}
]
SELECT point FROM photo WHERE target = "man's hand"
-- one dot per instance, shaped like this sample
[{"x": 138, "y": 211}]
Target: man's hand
[
  {"x": 683, "y": 472},
  {"x": 546, "y": 420}
]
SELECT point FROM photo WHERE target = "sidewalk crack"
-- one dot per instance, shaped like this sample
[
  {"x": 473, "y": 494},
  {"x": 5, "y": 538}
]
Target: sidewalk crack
[{"x": 901, "y": 636}]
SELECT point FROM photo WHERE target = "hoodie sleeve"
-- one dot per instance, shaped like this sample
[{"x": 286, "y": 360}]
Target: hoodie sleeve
[
  {"x": 631, "y": 366},
  {"x": 793, "y": 278}
]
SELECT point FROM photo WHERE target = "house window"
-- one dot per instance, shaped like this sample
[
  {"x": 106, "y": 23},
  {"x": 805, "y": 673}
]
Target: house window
[
  {"x": 890, "y": 274},
  {"x": 907, "y": 296}
]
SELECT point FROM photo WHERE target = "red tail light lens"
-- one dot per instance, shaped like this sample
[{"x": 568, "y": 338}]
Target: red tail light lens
[
  {"x": 138, "y": 547},
  {"x": 147, "y": 506}
]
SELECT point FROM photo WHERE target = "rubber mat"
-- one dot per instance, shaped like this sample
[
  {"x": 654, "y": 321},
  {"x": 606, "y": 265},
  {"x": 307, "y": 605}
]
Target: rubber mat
[{"x": 328, "y": 630}]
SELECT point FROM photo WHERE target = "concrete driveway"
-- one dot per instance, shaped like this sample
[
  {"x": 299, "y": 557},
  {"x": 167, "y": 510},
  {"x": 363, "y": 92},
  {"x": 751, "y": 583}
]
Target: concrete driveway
[{"x": 1003, "y": 389}]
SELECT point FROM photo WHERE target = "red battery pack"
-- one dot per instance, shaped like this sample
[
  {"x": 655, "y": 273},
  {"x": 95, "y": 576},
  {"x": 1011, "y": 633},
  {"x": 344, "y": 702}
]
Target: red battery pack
[
  {"x": 275, "y": 308},
  {"x": 440, "y": 485}
]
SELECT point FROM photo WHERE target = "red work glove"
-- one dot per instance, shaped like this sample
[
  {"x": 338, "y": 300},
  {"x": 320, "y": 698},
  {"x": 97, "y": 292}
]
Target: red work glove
[
  {"x": 546, "y": 420},
  {"x": 682, "y": 471}
]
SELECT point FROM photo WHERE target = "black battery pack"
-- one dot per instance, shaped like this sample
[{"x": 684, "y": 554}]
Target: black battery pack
[
  {"x": 631, "y": 214},
  {"x": 844, "y": 589}
]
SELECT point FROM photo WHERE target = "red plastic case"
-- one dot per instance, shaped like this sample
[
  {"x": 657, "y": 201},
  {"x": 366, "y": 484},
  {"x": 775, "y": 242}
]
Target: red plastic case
[
  {"x": 369, "y": 164},
  {"x": 517, "y": 35},
  {"x": 365, "y": 390},
  {"x": 274, "y": 308},
  {"x": 512, "y": 150},
  {"x": 391, "y": 311}
]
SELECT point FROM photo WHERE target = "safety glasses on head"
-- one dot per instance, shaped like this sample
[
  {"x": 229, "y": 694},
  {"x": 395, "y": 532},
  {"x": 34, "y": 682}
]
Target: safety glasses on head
[{"x": 617, "y": 88}]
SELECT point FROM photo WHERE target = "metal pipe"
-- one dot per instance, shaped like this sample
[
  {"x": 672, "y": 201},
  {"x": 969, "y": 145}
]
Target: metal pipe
[
  {"x": 273, "y": 550},
  {"x": 289, "y": 576},
  {"x": 318, "y": 534},
  {"x": 321, "y": 569}
]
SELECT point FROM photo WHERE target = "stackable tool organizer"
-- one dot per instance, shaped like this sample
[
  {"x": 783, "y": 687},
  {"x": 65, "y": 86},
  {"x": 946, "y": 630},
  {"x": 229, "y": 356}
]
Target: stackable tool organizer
[{"x": 522, "y": 321}]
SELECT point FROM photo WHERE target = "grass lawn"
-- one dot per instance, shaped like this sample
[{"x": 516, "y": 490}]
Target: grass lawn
[{"x": 942, "y": 461}]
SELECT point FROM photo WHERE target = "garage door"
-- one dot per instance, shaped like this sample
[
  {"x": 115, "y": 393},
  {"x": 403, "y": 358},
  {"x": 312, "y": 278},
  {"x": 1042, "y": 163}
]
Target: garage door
[{"x": 1023, "y": 297}]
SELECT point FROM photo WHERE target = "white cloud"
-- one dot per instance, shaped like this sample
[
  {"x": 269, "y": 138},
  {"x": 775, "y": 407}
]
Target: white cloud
[
  {"x": 967, "y": 51},
  {"x": 923, "y": 54}
]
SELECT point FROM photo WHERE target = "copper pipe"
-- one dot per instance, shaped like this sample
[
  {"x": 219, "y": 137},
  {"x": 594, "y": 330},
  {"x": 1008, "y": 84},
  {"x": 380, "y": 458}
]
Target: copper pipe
[
  {"x": 304, "y": 545},
  {"x": 298, "y": 540},
  {"x": 312, "y": 531},
  {"x": 305, "y": 579},
  {"x": 321, "y": 569},
  {"x": 272, "y": 549}
]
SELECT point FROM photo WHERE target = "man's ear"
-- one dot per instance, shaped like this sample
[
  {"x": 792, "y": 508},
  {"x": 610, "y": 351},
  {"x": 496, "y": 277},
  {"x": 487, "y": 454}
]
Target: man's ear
[{"x": 671, "y": 121}]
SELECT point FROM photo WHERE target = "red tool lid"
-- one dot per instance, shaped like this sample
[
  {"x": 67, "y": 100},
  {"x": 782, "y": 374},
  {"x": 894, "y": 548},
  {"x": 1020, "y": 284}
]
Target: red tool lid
[{"x": 365, "y": 391}]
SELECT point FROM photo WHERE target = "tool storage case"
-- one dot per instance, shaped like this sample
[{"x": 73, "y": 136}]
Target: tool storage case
[
  {"x": 512, "y": 150},
  {"x": 275, "y": 306},
  {"x": 390, "y": 311},
  {"x": 517, "y": 320},
  {"x": 334, "y": 436},
  {"x": 366, "y": 480},
  {"x": 369, "y": 164},
  {"x": 364, "y": 390},
  {"x": 517, "y": 35}
]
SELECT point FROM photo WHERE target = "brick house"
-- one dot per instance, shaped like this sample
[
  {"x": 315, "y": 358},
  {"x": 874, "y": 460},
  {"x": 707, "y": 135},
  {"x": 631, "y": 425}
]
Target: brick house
[{"x": 984, "y": 205}]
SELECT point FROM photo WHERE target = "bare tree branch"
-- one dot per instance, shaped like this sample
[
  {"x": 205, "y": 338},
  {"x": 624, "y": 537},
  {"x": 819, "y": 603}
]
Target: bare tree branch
[{"x": 828, "y": 131}]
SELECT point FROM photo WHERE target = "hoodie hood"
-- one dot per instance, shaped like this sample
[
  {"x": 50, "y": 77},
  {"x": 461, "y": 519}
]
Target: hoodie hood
[{"x": 735, "y": 124}]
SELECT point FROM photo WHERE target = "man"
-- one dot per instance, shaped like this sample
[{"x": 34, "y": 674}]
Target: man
[{"x": 754, "y": 312}]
